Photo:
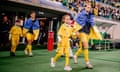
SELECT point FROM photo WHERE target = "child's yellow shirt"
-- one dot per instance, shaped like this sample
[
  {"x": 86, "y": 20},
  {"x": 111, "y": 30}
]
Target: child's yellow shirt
[
  {"x": 16, "y": 31},
  {"x": 65, "y": 31}
]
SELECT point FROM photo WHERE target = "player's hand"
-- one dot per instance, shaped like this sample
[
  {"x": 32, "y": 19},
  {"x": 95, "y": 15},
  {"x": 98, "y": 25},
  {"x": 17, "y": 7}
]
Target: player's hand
[
  {"x": 77, "y": 33},
  {"x": 23, "y": 35},
  {"x": 60, "y": 41},
  {"x": 9, "y": 36},
  {"x": 9, "y": 39}
]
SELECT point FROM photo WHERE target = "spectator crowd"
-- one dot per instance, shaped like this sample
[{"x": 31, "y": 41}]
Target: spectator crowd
[{"x": 99, "y": 9}]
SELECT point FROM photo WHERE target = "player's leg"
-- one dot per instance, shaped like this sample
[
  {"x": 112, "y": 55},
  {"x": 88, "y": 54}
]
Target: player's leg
[
  {"x": 58, "y": 54},
  {"x": 85, "y": 50},
  {"x": 80, "y": 50},
  {"x": 67, "y": 55},
  {"x": 86, "y": 57},
  {"x": 71, "y": 53},
  {"x": 59, "y": 45},
  {"x": 55, "y": 58},
  {"x": 16, "y": 42},
  {"x": 28, "y": 49},
  {"x": 13, "y": 48}
]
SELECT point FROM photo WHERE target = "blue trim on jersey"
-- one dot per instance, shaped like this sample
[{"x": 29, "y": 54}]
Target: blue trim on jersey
[{"x": 28, "y": 23}]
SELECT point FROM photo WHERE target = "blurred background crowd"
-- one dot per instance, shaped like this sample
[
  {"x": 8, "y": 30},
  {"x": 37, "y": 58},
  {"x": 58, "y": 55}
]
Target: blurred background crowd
[
  {"x": 105, "y": 8},
  {"x": 49, "y": 13}
]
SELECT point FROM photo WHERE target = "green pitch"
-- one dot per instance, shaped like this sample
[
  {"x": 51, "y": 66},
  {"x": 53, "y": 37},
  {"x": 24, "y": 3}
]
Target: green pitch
[{"x": 103, "y": 61}]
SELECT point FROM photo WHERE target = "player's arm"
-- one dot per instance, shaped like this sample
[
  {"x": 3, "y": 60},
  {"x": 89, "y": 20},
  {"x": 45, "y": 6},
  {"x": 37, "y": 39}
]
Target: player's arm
[
  {"x": 37, "y": 24},
  {"x": 81, "y": 19},
  {"x": 21, "y": 33},
  {"x": 92, "y": 22},
  {"x": 79, "y": 23},
  {"x": 36, "y": 33},
  {"x": 10, "y": 32},
  {"x": 76, "y": 27},
  {"x": 60, "y": 33},
  {"x": 25, "y": 28},
  {"x": 24, "y": 31}
]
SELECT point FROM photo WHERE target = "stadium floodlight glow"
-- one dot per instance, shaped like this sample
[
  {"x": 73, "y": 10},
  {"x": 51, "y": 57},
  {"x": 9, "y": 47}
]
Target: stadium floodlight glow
[
  {"x": 39, "y": 12},
  {"x": 55, "y": 18},
  {"x": 2, "y": 13}
]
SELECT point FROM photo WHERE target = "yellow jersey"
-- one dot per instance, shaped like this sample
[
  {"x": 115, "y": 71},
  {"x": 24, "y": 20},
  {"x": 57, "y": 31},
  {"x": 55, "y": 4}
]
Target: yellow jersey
[
  {"x": 65, "y": 30},
  {"x": 16, "y": 31}
]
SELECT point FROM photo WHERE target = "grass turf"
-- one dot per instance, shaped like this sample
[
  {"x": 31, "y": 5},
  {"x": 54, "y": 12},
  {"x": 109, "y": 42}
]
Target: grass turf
[{"x": 103, "y": 61}]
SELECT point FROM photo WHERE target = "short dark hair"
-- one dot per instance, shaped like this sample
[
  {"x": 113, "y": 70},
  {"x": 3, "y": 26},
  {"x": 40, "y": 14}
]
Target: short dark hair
[
  {"x": 32, "y": 12},
  {"x": 17, "y": 21},
  {"x": 63, "y": 17}
]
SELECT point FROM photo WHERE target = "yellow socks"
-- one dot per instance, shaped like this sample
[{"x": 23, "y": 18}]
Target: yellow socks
[
  {"x": 29, "y": 48},
  {"x": 13, "y": 49},
  {"x": 80, "y": 50},
  {"x": 85, "y": 51},
  {"x": 67, "y": 60}
]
